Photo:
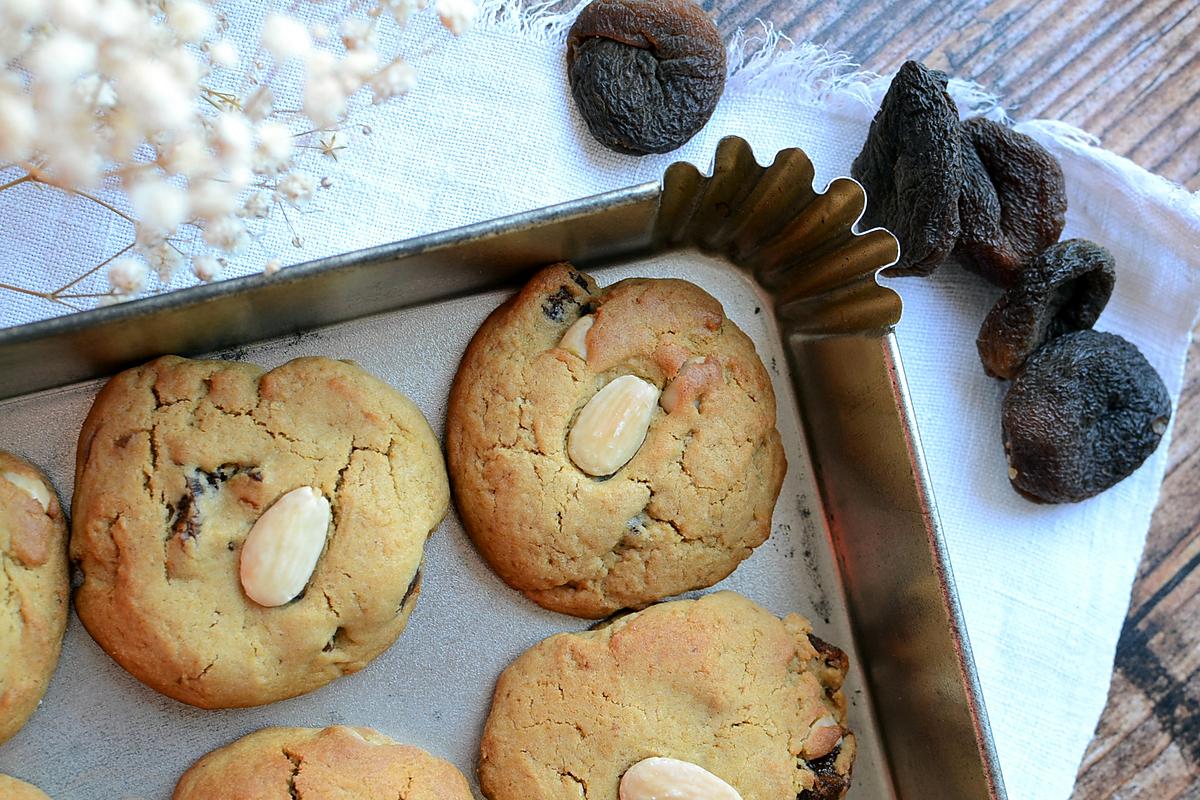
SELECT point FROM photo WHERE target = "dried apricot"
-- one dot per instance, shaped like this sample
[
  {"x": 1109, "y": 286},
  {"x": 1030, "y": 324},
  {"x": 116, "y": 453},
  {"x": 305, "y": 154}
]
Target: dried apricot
[
  {"x": 1064, "y": 289},
  {"x": 1083, "y": 414},
  {"x": 1013, "y": 203},
  {"x": 911, "y": 167},
  {"x": 646, "y": 74}
]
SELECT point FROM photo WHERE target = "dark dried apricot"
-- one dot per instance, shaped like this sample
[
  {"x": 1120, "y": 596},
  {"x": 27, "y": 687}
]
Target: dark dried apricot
[
  {"x": 646, "y": 74},
  {"x": 1083, "y": 414},
  {"x": 1064, "y": 289},
  {"x": 1013, "y": 203},
  {"x": 911, "y": 167}
]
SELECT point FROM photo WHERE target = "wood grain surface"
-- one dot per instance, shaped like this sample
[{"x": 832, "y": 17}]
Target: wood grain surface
[{"x": 1128, "y": 72}]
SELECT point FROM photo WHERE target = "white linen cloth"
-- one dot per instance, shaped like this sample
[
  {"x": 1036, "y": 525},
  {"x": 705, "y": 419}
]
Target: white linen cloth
[{"x": 490, "y": 130}]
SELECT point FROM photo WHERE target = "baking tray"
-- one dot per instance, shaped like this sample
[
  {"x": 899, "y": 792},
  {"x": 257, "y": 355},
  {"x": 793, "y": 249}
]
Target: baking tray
[{"x": 855, "y": 543}]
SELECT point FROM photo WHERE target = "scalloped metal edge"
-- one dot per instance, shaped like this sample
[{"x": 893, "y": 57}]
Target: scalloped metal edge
[{"x": 799, "y": 243}]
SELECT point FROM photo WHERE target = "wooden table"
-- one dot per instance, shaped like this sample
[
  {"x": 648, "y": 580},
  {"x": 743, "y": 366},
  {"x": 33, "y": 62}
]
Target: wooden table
[{"x": 1128, "y": 72}]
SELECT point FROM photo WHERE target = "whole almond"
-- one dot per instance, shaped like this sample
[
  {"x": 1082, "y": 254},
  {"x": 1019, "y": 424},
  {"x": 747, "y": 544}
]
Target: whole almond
[
  {"x": 31, "y": 486},
  {"x": 612, "y": 426},
  {"x": 826, "y": 734},
  {"x": 283, "y": 547},
  {"x": 575, "y": 339},
  {"x": 672, "y": 779}
]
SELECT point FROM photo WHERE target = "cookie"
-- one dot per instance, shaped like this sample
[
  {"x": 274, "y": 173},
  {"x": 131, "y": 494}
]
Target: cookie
[
  {"x": 35, "y": 588},
  {"x": 543, "y": 405},
  {"x": 719, "y": 682},
  {"x": 337, "y": 763},
  {"x": 179, "y": 459},
  {"x": 13, "y": 789}
]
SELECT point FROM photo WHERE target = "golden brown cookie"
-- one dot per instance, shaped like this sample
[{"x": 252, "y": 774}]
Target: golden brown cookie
[
  {"x": 695, "y": 498},
  {"x": 35, "y": 589},
  {"x": 13, "y": 789},
  {"x": 177, "y": 461},
  {"x": 336, "y": 763},
  {"x": 719, "y": 682}
]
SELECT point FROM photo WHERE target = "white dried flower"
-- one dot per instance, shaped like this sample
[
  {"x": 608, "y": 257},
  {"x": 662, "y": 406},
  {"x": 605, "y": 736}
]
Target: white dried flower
[
  {"x": 18, "y": 127},
  {"x": 206, "y": 268},
  {"x": 63, "y": 57},
  {"x": 210, "y": 199},
  {"x": 191, "y": 20},
  {"x": 257, "y": 205},
  {"x": 25, "y": 12},
  {"x": 160, "y": 207},
  {"x": 284, "y": 37},
  {"x": 223, "y": 53},
  {"x": 94, "y": 90},
  {"x": 356, "y": 69},
  {"x": 395, "y": 79},
  {"x": 226, "y": 233},
  {"x": 127, "y": 275},
  {"x": 295, "y": 188},
  {"x": 232, "y": 138},
  {"x": 272, "y": 266},
  {"x": 150, "y": 90},
  {"x": 186, "y": 156},
  {"x": 358, "y": 34},
  {"x": 90, "y": 88},
  {"x": 274, "y": 149},
  {"x": 165, "y": 261},
  {"x": 259, "y": 106},
  {"x": 71, "y": 164},
  {"x": 401, "y": 10},
  {"x": 456, "y": 15},
  {"x": 324, "y": 95}
]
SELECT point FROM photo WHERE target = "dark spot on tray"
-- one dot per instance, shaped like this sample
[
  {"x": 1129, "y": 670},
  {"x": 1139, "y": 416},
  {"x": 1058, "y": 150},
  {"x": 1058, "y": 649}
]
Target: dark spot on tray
[{"x": 758, "y": 309}]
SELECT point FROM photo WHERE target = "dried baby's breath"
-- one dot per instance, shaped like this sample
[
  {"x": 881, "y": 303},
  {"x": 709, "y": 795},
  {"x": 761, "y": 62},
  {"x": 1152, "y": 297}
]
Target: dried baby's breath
[{"x": 151, "y": 112}]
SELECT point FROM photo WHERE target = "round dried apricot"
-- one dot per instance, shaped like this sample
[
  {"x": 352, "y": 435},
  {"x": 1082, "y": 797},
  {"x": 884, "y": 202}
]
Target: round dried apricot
[
  {"x": 646, "y": 74},
  {"x": 1013, "y": 203},
  {"x": 1083, "y": 414},
  {"x": 1063, "y": 290}
]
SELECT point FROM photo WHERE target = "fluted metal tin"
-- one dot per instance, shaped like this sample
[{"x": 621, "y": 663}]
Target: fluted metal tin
[{"x": 855, "y": 543}]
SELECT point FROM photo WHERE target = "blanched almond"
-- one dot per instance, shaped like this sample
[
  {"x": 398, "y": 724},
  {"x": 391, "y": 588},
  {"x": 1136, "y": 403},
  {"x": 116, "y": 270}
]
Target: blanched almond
[
  {"x": 612, "y": 426},
  {"x": 825, "y": 735},
  {"x": 575, "y": 339},
  {"x": 31, "y": 486},
  {"x": 672, "y": 779},
  {"x": 282, "y": 549}
]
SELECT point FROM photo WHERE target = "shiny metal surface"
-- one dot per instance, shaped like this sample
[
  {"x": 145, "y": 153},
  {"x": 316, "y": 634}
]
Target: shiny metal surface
[{"x": 855, "y": 543}]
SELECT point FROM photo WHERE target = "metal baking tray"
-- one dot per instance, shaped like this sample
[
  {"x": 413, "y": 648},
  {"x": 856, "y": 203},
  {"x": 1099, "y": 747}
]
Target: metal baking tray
[{"x": 855, "y": 544}]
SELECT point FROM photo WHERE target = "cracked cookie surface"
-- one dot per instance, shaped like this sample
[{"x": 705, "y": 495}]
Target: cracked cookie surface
[
  {"x": 34, "y": 590},
  {"x": 178, "y": 459},
  {"x": 13, "y": 789},
  {"x": 719, "y": 682},
  {"x": 692, "y": 503},
  {"x": 336, "y": 763}
]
